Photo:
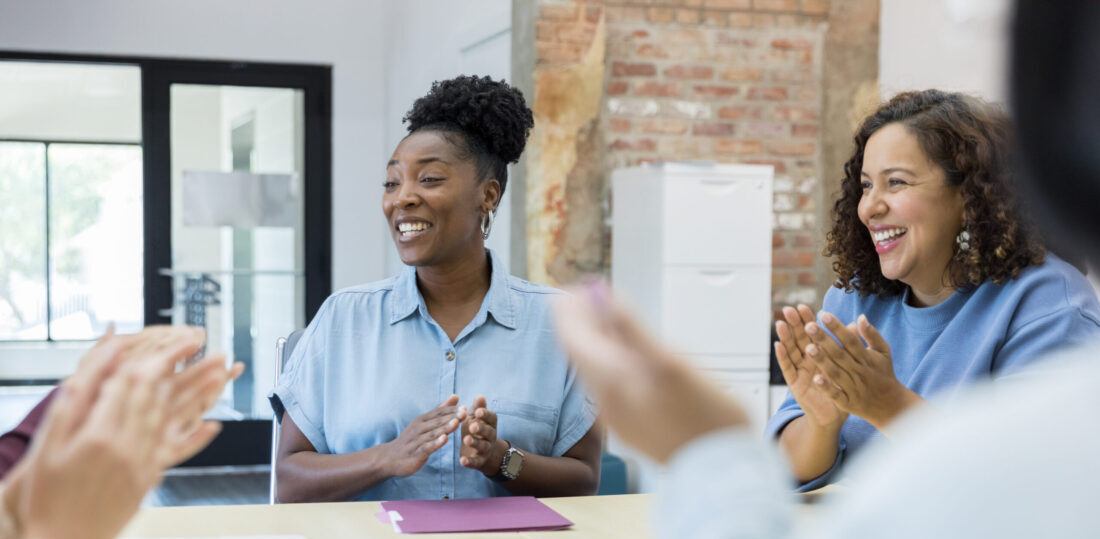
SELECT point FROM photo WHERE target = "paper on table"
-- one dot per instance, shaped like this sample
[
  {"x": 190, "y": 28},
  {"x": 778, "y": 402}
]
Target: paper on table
[
  {"x": 390, "y": 517},
  {"x": 516, "y": 513}
]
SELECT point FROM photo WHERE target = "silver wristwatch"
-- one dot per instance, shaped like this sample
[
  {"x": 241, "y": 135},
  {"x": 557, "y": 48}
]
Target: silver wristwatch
[{"x": 510, "y": 465}]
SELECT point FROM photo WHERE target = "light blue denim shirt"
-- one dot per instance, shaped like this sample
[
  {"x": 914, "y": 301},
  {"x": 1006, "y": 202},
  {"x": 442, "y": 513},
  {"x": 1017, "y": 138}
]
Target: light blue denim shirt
[{"x": 373, "y": 359}]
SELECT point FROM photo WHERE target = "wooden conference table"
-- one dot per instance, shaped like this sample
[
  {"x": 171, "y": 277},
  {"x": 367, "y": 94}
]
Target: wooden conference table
[{"x": 592, "y": 516}]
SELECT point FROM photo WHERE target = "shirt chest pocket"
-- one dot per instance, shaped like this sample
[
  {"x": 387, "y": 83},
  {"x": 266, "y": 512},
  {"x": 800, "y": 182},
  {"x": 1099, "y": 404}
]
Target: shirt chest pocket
[{"x": 525, "y": 425}]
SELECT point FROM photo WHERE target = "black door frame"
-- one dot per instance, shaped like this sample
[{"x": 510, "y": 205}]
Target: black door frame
[{"x": 157, "y": 76}]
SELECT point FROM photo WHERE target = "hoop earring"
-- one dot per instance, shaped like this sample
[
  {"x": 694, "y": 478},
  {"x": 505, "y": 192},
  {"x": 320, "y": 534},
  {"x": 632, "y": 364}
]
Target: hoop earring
[
  {"x": 963, "y": 240},
  {"x": 486, "y": 224}
]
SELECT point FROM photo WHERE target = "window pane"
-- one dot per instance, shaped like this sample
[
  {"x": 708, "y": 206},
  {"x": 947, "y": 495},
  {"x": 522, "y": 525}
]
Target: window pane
[
  {"x": 70, "y": 101},
  {"x": 22, "y": 241},
  {"x": 95, "y": 240}
]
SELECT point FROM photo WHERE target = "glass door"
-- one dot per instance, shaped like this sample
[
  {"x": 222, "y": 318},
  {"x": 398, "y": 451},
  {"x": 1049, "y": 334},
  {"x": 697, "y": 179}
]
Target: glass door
[
  {"x": 240, "y": 240},
  {"x": 237, "y": 221}
]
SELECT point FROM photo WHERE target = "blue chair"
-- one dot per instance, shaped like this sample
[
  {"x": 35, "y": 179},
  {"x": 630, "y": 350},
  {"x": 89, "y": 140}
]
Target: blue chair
[{"x": 612, "y": 475}]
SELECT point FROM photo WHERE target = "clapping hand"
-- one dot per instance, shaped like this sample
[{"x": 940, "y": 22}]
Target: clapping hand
[
  {"x": 424, "y": 436},
  {"x": 799, "y": 372},
  {"x": 859, "y": 378},
  {"x": 115, "y": 425},
  {"x": 480, "y": 448}
]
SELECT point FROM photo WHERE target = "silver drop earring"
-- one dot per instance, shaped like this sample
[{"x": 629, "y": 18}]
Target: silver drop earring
[
  {"x": 963, "y": 240},
  {"x": 487, "y": 224}
]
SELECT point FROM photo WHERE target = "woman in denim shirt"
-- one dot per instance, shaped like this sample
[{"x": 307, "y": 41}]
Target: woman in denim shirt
[{"x": 446, "y": 381}]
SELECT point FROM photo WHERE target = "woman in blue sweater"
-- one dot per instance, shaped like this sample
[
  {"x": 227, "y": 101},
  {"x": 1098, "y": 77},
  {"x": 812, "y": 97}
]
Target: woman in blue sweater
[{"x": 940, "y": 282}]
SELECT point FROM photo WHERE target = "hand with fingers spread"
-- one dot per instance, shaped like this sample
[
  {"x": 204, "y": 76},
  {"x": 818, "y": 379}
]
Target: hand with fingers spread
[
  {"x": 423, "y": 436},
  {"x": 115, "y": 425},
  {"x": 90, "y": 466},
  {"x": 858, "y": 377},
  {"x": 799, "y": 372},
  {"x": 192, "y": 392}
]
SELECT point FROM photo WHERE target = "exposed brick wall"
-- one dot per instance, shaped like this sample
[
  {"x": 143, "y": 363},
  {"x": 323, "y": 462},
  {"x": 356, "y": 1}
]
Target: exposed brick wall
[{"x": 734, "y": 81}]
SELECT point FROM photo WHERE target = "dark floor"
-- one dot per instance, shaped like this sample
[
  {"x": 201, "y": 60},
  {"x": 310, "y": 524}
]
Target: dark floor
[{"x": 227, "y": 485}]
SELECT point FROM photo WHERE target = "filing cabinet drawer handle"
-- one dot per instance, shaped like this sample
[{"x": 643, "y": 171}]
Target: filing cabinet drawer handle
[
  {"x": 718, "y": 277},
  {"x": 719, "y": 186}
]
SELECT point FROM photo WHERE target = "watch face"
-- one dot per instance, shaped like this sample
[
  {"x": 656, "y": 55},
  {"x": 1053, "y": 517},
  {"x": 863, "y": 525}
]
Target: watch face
[{"x": 515, "y": 463}]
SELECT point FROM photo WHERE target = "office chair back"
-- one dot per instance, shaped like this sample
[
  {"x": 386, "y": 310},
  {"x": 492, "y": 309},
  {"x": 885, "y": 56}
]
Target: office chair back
[{"x": 283, "y": 348}]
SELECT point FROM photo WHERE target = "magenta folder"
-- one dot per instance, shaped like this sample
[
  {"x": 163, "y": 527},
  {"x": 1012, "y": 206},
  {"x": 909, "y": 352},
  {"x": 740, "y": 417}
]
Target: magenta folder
[{"x": 516, "y": 513}]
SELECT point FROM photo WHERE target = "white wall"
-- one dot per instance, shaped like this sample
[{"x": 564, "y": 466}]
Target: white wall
[
  {"x": 350, "y": 35},
  {"x": 435, "y": 40},
  {"x": 957, "y": 45}
]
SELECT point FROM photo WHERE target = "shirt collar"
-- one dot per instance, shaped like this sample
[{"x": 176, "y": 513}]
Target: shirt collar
[{"x": 500, "y": 299}]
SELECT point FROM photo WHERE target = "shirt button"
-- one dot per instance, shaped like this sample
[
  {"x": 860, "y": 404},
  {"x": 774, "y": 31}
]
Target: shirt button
[
  {"x": 450, "y": 355},
  {"x": 446, "y": 497}
]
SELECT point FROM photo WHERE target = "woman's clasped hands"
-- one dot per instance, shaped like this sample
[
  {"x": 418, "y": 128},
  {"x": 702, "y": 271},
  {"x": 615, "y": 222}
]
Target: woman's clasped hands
[
  {"x": 481, "y": 449},
  {"x": 430, "y": 431},
  {"x": 848, "y": 373}
]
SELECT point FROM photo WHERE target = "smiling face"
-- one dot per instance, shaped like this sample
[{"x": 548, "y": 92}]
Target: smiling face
[
  {"x": 434, "y": 201},
  {"x": 911, "y": 212}
]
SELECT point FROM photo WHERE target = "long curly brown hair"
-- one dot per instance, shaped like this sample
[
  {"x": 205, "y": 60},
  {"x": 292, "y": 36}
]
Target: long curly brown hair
[{"x": 969, "y": 139}]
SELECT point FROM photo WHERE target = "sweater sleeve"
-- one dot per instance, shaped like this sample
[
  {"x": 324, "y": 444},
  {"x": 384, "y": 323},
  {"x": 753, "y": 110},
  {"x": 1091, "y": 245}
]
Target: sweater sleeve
[{"x": 724, "y": 484}]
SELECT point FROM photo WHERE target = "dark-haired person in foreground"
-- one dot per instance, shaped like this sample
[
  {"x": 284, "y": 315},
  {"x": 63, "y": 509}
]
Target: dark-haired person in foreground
[
  {"x": 370, "y": 401},
  {"x": 941, "y": 282},
  {"x": 1016, "y": 459}
]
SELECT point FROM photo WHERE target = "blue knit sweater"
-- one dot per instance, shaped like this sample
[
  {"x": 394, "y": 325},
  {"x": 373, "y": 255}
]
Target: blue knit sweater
[{"x": 992, "y": 330}]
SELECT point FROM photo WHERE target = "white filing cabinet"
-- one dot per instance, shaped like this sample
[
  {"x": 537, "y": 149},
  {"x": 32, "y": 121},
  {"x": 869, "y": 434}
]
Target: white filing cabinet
[{"x": 691, "y": 250}]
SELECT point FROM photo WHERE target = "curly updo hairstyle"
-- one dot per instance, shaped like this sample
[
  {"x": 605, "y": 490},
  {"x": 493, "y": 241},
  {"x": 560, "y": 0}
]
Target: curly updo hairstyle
[
  {"x": 969, "y": 139},
  {"x": 484, "y": 119}
]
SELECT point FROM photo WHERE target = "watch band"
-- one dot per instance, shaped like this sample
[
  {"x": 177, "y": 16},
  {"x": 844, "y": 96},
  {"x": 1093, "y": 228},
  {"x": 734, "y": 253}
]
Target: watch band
[{"x": 510, "y": 455}]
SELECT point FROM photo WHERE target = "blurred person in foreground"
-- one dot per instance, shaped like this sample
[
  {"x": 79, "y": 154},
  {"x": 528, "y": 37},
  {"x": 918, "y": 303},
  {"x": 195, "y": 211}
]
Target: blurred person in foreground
[
  {"x": 127, "y": 414},
  {"x": 1012, "y": 460}
]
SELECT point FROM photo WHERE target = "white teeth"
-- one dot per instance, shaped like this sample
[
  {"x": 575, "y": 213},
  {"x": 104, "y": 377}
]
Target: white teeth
[
  {"x": 888, "y": 234},
  {"x": 412, "y": 228}
]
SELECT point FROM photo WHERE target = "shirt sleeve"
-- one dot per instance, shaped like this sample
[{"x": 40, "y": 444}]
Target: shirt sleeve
[
  {"x": 724, "y": 484},
  {"x": 300, "y": 391},
  {"x": 578, "y": 413},
  {"x": 14, "y": 443}
]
